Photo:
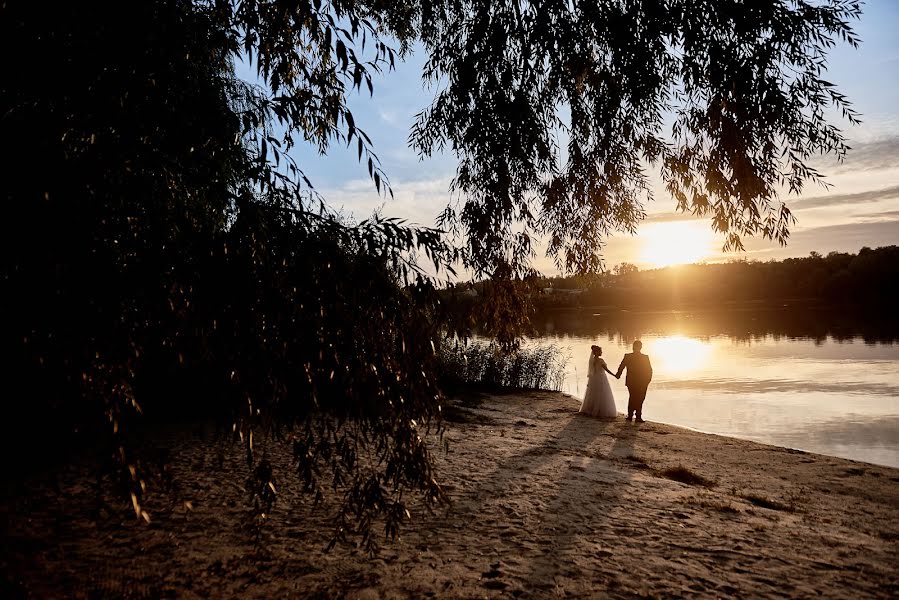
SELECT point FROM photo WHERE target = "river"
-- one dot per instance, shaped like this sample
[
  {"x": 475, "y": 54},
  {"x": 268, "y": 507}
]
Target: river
[{"x": 824, "y": 381}]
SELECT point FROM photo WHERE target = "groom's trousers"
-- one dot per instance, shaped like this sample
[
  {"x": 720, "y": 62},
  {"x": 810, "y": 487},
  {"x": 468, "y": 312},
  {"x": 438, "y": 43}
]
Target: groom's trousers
[{"x": 637, "y": 394}]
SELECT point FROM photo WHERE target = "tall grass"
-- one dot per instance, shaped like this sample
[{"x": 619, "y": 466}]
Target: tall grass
[{"x": 481, "y": 363}]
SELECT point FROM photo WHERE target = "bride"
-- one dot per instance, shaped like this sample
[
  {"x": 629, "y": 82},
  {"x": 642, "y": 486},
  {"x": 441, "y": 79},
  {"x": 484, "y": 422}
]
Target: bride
[{"x": 598, "y": 398}]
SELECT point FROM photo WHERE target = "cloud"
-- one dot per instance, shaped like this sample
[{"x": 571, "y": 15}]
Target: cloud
[
  {"x": 852, "y": 234},
  {"x": 835, "y": 238},
  {"x": 802, "y": 204},
  {"x": 880, "y": 153},
  {"x": 849, "y": 237},
  {"x": 845, "y": 199},
  {"x": 796, "y": 205},
  {"x": 416, "y": 201},
  {"x": 353, "y": 186},
  {"x": 887, "y": 215},
  {"x": 672, "y": 217},
  {"x": 799, "y": 204},
  {"x": 391, "y": 117}
]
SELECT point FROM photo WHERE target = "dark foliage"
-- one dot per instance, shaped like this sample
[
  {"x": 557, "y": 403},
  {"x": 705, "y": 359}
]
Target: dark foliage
[{"x": 155, "y": 264}]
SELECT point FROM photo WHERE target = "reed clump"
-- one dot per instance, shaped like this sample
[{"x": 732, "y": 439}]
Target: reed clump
[{"x": 484, "y": 364}]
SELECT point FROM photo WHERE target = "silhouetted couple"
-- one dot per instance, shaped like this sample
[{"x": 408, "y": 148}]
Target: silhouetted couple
[{"x": 598, "y": 398}]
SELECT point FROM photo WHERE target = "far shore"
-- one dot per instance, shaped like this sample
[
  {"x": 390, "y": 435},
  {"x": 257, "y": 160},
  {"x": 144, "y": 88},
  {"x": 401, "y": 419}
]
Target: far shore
[{"x": 544, "y": 502}]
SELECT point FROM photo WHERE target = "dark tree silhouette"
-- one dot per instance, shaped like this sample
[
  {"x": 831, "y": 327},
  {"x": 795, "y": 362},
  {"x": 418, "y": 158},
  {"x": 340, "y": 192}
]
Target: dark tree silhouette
[
  {"x": 164, "y": 256},
  {"x": 157, "y": 262},
  {"x": 863, "y": 282}
]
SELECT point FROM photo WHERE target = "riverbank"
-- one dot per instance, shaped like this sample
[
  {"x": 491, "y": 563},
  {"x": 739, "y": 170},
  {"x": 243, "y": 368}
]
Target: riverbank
[{"x": 544, "y": 503}]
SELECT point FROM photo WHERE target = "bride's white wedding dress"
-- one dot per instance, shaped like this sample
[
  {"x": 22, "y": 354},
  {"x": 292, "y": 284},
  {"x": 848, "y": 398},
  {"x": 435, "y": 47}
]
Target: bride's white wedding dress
[{"x": 598, "y": 398}]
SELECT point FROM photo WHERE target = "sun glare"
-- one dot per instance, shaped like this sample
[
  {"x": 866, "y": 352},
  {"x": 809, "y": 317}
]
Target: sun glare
[
  {"x": 677, "y": 353},
  {"x": 676, "y": 243}
]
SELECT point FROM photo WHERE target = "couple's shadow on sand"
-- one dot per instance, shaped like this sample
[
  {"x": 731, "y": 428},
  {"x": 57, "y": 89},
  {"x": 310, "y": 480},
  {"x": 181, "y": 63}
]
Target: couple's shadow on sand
[{"x": 571, "y": 488}]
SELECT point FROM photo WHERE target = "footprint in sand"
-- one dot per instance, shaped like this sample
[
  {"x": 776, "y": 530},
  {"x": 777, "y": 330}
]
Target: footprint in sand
[
  {"x": 495, "y": 584},
  {"x": 492, "y": 582}
]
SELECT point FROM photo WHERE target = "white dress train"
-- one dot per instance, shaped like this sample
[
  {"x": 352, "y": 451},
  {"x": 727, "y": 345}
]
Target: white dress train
[{"x": 598, "y": 398}]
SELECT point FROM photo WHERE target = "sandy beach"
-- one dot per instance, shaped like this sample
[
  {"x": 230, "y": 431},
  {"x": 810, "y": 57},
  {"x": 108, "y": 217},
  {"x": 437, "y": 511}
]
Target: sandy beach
[{"x": 543, "y": 503}]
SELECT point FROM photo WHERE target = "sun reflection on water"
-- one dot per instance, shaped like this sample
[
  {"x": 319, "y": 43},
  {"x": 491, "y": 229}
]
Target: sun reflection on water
[{"x": 677, "y": 354}]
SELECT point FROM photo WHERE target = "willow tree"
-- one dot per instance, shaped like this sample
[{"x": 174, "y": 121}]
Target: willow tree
[
  {"x": 163, "y": 252},
  {"x": 727, "y": 99}
]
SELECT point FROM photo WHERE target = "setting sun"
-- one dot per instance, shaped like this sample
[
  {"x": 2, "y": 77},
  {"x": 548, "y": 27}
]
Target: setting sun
[{"x": 676, "y": 243}]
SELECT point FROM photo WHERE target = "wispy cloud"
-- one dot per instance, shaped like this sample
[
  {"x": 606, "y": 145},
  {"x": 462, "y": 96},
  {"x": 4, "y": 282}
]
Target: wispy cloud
[
  {"x": 391, "y": 117},
  {"x": 845, "y": 199},
  {"x": 417, "y": 201},
  {"x": 671, "y": 217},
  {"x": 800, "y": 204},
  {"x": 880, "y": 153},
  {"x": 878, "y": 233},
  {"x": 886, "y": 215},
  {"x": 841, "y": 238}
]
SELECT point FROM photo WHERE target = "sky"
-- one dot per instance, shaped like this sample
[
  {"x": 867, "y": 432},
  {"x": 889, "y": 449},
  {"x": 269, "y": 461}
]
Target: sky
[{"x": 860, "y": 208}]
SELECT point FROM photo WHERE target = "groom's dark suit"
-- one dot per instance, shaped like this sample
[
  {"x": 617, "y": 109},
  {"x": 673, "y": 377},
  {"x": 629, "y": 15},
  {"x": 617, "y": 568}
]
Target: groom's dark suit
[{"x": 639, "y": 374}]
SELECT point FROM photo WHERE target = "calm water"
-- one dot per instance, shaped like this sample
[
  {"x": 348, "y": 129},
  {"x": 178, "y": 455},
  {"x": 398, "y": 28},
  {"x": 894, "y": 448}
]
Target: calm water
[{"x": 826, "y": 382}]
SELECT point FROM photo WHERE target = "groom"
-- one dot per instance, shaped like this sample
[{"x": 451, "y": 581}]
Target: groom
[{"x": 639, "y": 374}]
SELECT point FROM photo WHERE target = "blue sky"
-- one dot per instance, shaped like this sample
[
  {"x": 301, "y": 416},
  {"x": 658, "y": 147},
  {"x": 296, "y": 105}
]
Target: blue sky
[{"x": 861, "y": 208}]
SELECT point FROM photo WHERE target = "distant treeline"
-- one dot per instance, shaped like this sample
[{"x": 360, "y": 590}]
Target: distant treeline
[
  {"x": 781, "y": 320},
  {"x": 870, "y": 277}
]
